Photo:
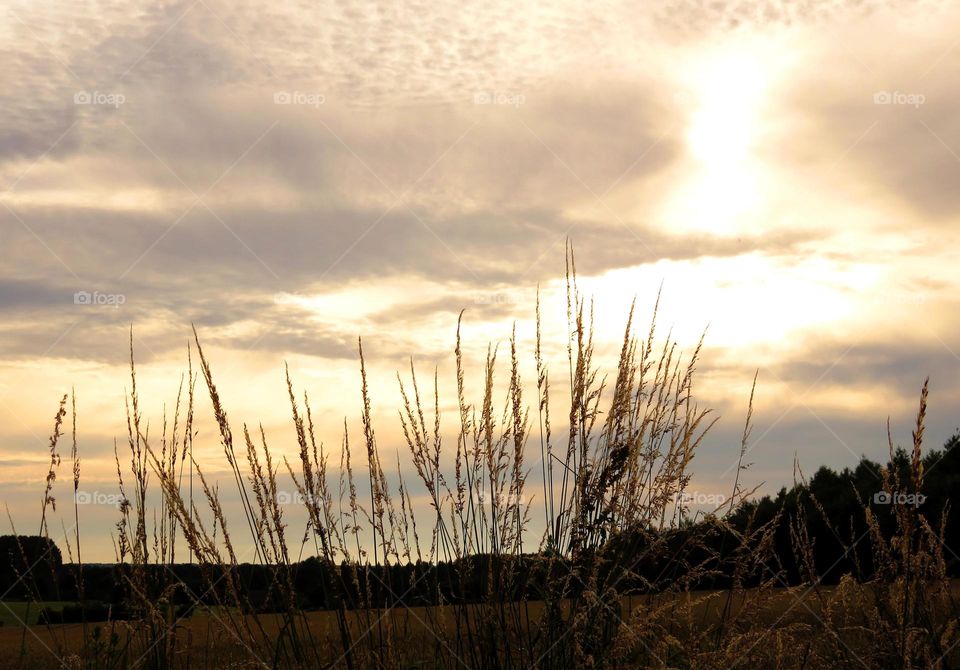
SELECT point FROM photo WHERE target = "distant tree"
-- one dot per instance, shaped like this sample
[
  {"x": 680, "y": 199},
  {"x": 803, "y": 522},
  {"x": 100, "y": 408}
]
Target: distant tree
[
  {"x": 833, "y": 502},
  {"x": 29, "y": 566}
]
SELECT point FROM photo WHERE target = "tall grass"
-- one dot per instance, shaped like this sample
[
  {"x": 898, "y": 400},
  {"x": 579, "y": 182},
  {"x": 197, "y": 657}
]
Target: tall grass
[{"x": 578, "y": 594}]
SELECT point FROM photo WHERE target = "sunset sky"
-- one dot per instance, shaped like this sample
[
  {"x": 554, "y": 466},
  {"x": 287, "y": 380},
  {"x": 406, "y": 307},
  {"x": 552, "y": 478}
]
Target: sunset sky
[{"x": 290, "y": 176}]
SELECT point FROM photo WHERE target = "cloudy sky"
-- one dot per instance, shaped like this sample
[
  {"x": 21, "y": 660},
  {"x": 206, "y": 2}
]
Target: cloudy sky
[{"x": 288, "y": 176}]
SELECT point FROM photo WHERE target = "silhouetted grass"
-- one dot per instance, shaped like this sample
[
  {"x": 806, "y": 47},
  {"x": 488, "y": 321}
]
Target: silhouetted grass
[{"x": 572, "y": 596}]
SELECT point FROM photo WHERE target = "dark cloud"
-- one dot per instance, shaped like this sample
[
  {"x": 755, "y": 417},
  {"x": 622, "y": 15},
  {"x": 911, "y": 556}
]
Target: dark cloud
[
  {"x": 307, "y": 198},
  {"x": 901, "y": 366},
  {"x": 201, "y": 273},
  {"x": 24, "y": 295}
]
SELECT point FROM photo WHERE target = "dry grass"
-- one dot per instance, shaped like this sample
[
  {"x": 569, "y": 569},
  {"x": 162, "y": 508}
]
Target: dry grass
[{"x": 609, "y": 483}]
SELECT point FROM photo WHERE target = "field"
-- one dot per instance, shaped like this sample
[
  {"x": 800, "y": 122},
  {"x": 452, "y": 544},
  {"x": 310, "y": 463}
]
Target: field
[
  {"x": 14, "y": 613},
  {"x": 207, "y": 642}
]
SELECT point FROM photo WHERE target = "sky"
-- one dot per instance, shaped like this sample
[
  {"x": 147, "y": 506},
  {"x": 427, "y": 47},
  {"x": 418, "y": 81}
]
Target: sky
[{"x": 288, "y": 176}]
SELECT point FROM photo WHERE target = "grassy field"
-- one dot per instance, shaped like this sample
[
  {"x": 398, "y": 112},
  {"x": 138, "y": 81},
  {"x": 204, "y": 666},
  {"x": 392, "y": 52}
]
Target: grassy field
[
  {"x": 16, "y": 613},
  {"x": 208, "y": 632},
  {"x": 205, "y": 637}
]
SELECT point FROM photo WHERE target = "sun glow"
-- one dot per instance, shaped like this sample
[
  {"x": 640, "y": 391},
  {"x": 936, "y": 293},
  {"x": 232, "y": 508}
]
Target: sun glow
[
  {"x": 729, "y": 94},
  {"x": 727, "y": 89}
]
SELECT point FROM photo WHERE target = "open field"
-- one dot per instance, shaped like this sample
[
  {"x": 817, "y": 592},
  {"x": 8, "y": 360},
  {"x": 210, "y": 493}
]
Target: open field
[
  {"x": 14, "y": 613},
  {"x": 204, "y": 638}
]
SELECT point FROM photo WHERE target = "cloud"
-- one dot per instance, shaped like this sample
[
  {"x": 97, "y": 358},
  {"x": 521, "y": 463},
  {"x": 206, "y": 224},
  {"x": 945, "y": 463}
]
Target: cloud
[
  {"x": 430, "y": 158},
  {"x": 880, "y": 111},
  {"x": 690, "y": 19},
  {"x": 901, "y": 366}
]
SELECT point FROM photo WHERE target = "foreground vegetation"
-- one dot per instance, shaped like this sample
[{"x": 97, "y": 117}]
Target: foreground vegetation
[{"x": 622, "y": 576}]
